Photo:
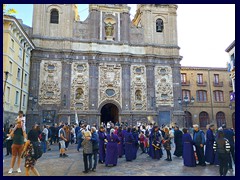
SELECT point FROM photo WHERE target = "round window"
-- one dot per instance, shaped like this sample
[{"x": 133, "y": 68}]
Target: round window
[{"x": 110, "y": 92}]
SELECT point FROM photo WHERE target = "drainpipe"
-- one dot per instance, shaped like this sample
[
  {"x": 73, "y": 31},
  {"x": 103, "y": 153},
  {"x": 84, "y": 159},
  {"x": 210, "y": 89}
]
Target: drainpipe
[{"x": 210, "y": 88}]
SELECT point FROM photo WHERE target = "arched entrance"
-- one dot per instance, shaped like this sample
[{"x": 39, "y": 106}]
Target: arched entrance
[
  {"x": 109, "y": 112},
  {"x": 220, "y": 117}
]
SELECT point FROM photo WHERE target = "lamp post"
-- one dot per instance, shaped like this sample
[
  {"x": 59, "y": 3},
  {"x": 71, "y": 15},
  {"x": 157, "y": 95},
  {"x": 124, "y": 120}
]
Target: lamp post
[{"x": 186, "y": 102}]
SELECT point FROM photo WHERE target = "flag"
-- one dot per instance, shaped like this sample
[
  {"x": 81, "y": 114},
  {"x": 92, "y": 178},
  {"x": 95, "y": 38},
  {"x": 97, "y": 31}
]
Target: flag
[{"x": 76, "y": 118}]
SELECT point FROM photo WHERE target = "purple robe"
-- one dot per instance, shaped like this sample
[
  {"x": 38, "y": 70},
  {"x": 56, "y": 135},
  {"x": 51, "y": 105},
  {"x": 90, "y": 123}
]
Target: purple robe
[
  {"x": 112, "y": 149},
  {"x": 135, "y": 144},
  {"x": 209, "y": 152},
  {"x": 102, "y": 153},
  {"x": 188, "y": 152},
  {"x": 123, "y": 136},
  {"x": 155, "y": 137},
  {"x": 120, "y": 144},
  {"x": 128, "y": 146}
]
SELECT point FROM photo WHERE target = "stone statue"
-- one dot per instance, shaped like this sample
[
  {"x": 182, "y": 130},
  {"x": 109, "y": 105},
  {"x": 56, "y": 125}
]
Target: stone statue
[
  {"x": 79, "y": 93},
  {"x": 109, "y": 29},
  {"x": 138, "y": 95}
]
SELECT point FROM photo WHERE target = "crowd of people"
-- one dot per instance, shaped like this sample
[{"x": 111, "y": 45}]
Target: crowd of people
[{"x": 107, "y": 143}]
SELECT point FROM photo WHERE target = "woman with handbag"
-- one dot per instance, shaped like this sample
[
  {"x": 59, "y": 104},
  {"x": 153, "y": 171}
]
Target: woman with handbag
[{"x": 167, "y": 144}]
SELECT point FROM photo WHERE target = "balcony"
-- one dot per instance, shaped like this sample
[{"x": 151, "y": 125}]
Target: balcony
[
  {"x": 202, "y": 84},
  {"x": 185, "y": 83},
  {"x": 218, "y": 84}
]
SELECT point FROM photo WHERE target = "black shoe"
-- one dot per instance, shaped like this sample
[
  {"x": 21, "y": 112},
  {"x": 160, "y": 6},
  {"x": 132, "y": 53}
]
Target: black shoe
[
  {"x": 93, "y": 169},
  {"x": 7, "y": 155},
  {"x": 60, "y": 155},
  {"x": 85, "y": 172},
  {"x": 65, "y": 155},
  {"x": 114, "y": 164},
  {"x": 166, "y": 159},
  {"x": 203, "y": 164},
  {"x": 101, "y": 162},
  {"x": 170, "y": 160}
]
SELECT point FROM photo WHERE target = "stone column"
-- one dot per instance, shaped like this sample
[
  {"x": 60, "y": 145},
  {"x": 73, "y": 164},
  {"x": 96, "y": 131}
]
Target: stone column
[
  {"x": 150, "y": 87},
  {"x": 178, "y": 114},
  {"x": 66, "y": 85},
  {"x": 125, "y": 21},
  {"x": 34, "y": 82},
  {"x": 126, "y": 87},
  {"x": 93, "y": 85},
  {"x": 94, "y": 24}
]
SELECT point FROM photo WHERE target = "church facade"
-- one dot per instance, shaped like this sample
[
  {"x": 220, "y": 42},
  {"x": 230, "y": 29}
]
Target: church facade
[{"x": 106, "y": 68}]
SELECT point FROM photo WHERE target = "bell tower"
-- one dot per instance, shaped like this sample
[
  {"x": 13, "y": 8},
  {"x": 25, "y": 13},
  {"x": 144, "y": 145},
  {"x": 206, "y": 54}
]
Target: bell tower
[
  {"x": 54, "y": 20},
  {"x": 159, "y": 22}
]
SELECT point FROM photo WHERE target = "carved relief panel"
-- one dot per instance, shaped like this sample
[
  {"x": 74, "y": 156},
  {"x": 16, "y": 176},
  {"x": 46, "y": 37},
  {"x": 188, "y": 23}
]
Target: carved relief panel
[
  {"x": 163, "y": 85},
  {"x": 138, "y": 87},
  {"x": 50, "y": 82},
  {"x": 110, "y": 82},
  {"x": 79, "y": 86}
]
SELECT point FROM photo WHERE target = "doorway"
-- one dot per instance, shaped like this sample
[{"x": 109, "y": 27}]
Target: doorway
[{"x": 109, "y": 112}]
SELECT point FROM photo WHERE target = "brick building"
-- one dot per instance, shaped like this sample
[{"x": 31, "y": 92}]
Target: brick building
[{"x": 211, "y": 89}]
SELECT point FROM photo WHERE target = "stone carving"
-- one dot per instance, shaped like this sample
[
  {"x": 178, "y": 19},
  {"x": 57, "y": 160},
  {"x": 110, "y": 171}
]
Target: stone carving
[
  {"x": 163, "y": 85},
  {"x": 50, "y": 82},
  {"x": 138, "y": 87},
  {"x": 79, "y": 86},
  {"x": 110, "y": 80}
]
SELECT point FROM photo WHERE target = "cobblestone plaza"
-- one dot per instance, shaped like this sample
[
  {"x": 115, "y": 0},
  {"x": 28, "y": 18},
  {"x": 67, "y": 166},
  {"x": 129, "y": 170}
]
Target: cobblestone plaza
[{"x": 51, "y": 165}]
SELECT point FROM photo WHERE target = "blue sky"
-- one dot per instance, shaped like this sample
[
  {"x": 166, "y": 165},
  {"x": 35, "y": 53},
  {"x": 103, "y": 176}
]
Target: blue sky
[{"x": 204, "y": 30}]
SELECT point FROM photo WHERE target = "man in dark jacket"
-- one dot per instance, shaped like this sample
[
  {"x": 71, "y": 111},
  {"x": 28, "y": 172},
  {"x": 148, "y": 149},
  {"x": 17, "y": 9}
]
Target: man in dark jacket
[
  {"x": 222, "y": 147},
  {"x": 199, "y": 142},
  {"x": 230, "y": 136},
  {"x": 95, "y": 142}
]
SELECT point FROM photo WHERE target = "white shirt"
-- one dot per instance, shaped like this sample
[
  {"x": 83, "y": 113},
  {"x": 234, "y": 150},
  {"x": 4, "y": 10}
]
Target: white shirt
[
  {"x": 108, "y": 125},
  {"x": 45, "y": 131}
]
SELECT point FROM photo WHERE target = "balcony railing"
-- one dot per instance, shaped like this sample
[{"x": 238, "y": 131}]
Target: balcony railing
[
  {"x": 186, "y": 83},
  {"x": 202, "y": 83},
  {"x": 218, "y": 84}
]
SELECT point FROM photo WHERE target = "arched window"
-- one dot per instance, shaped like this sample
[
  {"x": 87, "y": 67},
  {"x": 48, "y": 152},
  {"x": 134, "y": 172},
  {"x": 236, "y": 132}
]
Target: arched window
[
  {"x": 54, "y": 16},
  {"x": 188, "y": 119},
  {"x": 220, "y": 117},
  {"x": 203, "y": 119},
  {"x": 138, "y": 95},
  {"x": 233, "y": 120},
  {"x": 159, "y": 25},
  {"x": 79, "y": 93}
]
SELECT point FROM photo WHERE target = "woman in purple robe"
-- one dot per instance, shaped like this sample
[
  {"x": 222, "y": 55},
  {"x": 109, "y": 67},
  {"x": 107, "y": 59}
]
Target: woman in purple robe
[
  {"x": 102, "y": 137},
  {"x": 120, "y": 144},
  {"x": 128, "y": 140},
  {"x": 188, "y": 152},
  {"x": 135, "y": 143},
  {"x": 112, "y": 149},
  {"x": 209, "y": 152}
]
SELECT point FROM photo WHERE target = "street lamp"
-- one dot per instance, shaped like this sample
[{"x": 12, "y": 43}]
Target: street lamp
[{"x": 186, "y": 102}]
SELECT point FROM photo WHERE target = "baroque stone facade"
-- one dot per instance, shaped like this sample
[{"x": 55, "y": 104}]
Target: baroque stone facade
[{"x": 105, "y": 64}]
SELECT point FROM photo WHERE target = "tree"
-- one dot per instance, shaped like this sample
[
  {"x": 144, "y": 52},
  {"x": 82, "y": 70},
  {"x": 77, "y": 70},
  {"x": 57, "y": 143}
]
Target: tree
[{"x": 8, "y": 11}]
